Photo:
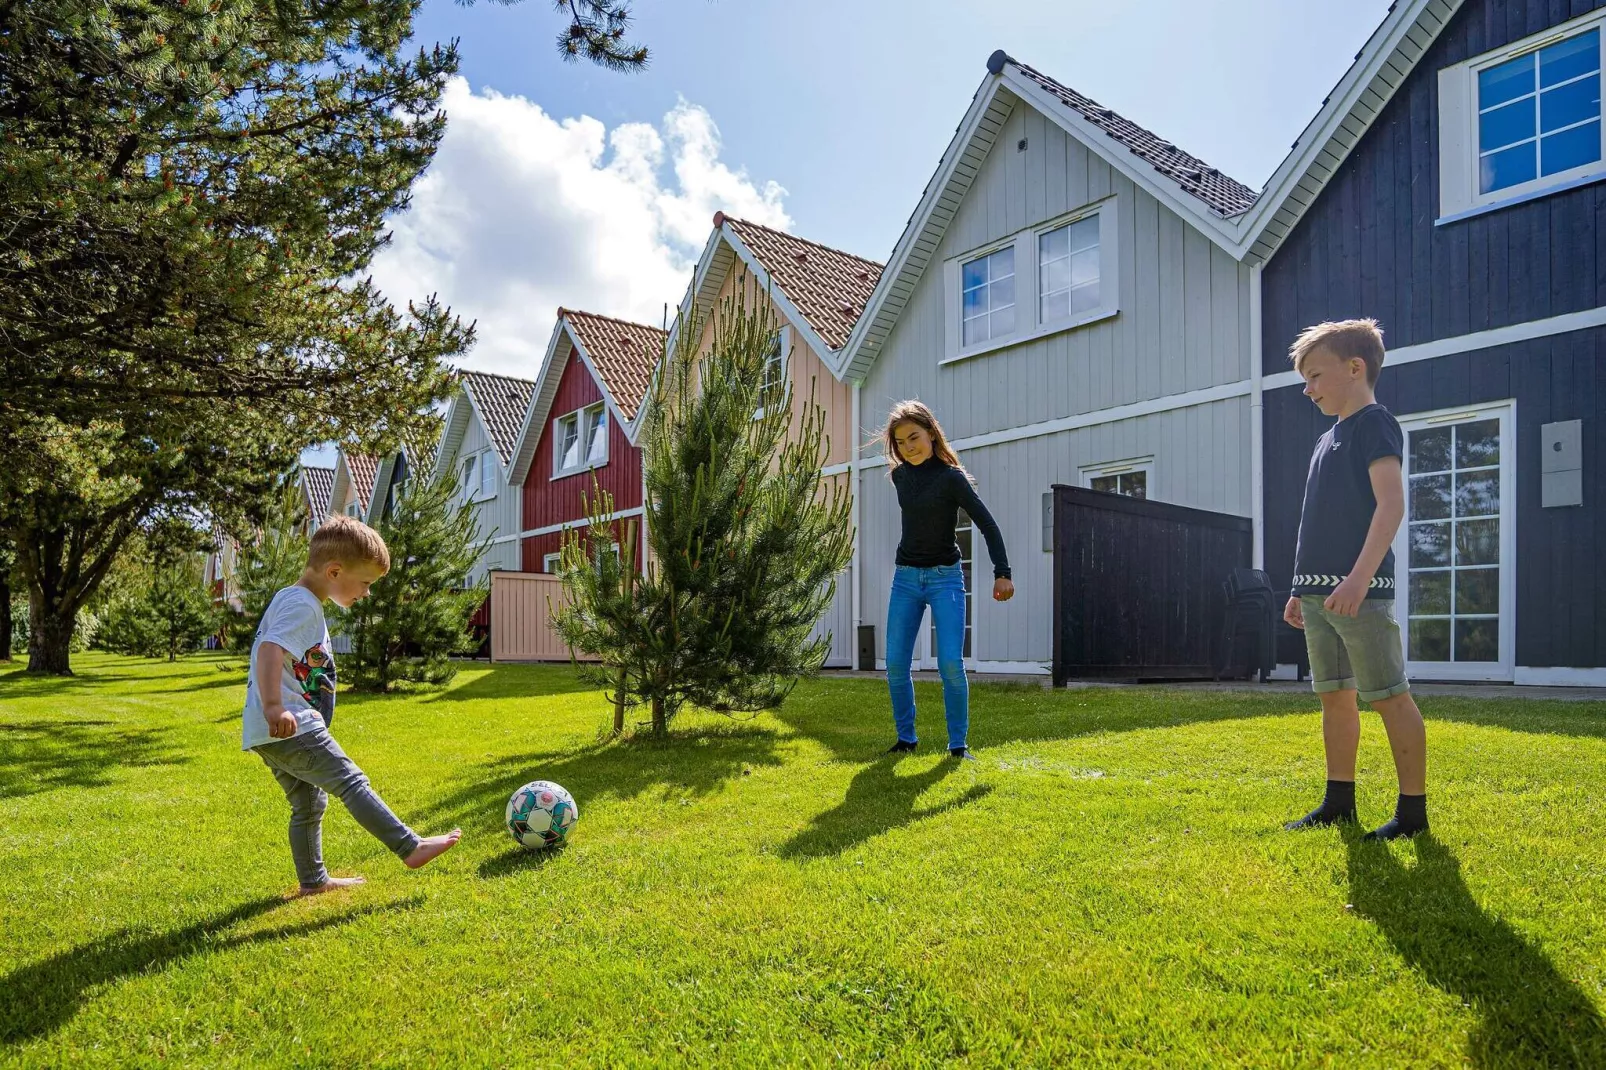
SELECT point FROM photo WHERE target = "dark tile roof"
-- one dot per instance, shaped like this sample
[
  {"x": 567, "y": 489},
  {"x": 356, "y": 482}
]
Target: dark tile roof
[
  {"x": 502, "y": 401},
  {"x": 1226, "y": 196},
  {"x": 624, "y": 353},
  {"x": 828, "y": 286},
  {"x": 320, "y": 487}
]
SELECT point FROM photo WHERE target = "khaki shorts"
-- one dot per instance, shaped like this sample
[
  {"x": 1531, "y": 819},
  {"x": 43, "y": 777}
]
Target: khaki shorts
[{"x": 1362, "y": 652}]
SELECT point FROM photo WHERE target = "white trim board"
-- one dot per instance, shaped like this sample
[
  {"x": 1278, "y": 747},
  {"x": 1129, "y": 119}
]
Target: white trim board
[
  {"x": 1559, "y": 676},
  {"x": 566, "y": 525},
  {"x": 1091, "y": 419},
  {"x": 1467, "y": 343}
]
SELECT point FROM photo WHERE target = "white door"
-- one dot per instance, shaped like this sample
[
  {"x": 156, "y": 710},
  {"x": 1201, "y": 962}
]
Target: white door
[
  {"x": 1455, "y": 560},
  {"x": 965, "y": 533}
]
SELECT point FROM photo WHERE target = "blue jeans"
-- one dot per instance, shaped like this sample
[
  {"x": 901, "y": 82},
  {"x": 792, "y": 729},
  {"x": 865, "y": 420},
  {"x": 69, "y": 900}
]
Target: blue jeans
[{"x": 913, "y": 589}]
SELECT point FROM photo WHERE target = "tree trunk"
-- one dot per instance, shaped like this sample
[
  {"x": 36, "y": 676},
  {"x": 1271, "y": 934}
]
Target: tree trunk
[
  {"x": 5, "y": 615},
  {"x": 49, "y": 637},
  {"x": 660, "y": 726}
]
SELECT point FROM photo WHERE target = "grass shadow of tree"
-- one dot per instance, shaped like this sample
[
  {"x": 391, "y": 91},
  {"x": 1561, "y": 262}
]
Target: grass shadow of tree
[
  {"x": 514, "y": 681},
  {"x": 1528, "y": 1013},
  {"x": 518, "y": 860},
  {"x": 1018, "y": 713},
  {"x": 42, "y": 997},
  {"x": 696, "y": 761},
  {"x": 37, "y": 756},
  {"x": 877, "y": 801}
]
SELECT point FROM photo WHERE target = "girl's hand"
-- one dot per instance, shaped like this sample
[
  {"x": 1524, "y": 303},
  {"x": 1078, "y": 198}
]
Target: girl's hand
[{"x": 1003, "y": 589}]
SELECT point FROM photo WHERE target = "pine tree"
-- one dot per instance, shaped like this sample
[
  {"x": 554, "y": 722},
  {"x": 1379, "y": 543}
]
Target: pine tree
[
  {"x": 271, "y": 558},
  {"x": 747, "y": 537},
  {"x": 172, "y": 616},
  {"x": 416, "y": 616}
]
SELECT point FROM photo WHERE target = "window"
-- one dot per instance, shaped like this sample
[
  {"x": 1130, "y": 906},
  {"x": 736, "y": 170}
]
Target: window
[
  {"x": 1052, "y": 277},
  {"x": 581, "y": 440},
  {"x": 354, "y": 509},
  {"x": 989, "y": 296},
  {"x": 469, "y": 481},
  {"x": 487, "y": 474},
  {"x": 551, "y": 563},
  {"x": 1128, "y": 478},
  {"x": 775, "y": 382},
  {"x": 1522, "y": 122}
]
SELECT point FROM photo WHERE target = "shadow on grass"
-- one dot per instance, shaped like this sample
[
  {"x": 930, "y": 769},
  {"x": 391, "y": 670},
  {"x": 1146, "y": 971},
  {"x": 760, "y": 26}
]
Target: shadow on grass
[
  {"x": 1528, "y": 1013},
  {"x": 42, "y": 755},
  {"x": 42, "y": 997},
  {"x": 503, "y": 681},
  {"x": 855, "y": 721},
  {"x": 695, "y": 761},
  {"x": 517, "y": 860},
  {"x": 877, "y": 801},
  {"x": 1549, "y": 717}
]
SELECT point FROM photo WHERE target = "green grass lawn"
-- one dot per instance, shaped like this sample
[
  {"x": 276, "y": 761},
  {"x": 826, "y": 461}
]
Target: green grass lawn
[{"x": 1108, "y": 885}]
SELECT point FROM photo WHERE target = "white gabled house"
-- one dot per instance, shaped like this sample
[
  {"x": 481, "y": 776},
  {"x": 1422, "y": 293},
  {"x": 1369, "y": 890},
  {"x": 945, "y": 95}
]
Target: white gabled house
[{"x": 482, "y": 426}]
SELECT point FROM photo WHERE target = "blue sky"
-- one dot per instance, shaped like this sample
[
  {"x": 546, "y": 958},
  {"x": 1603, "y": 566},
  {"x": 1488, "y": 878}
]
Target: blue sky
[{"x": 562, "y": 183}]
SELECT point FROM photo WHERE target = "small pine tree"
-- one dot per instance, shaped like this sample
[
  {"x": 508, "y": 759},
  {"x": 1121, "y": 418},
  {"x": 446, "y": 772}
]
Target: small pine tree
[
  {"x": 747, "y": 537},
  {"x": 416, "y": 616},
  {"x": 270, "y": 559},
  {"x": 171, "y": 616}
]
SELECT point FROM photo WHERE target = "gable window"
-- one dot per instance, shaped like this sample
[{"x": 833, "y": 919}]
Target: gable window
[
  {"x": 989, "y": 296},
  {"x": 581, "y": 440},
  {"x": 1523, "y": 121},
  {"x": 1129, "y": 479},
  {"x": 774, "y": 384},
  {"x": 488, "y": 474},
  {"x": 1055, "y": 276},
  {"x": 468, "y": 484}
]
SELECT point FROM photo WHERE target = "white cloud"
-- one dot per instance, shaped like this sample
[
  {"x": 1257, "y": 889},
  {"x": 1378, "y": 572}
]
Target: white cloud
[{"x": 521, "y": 213}]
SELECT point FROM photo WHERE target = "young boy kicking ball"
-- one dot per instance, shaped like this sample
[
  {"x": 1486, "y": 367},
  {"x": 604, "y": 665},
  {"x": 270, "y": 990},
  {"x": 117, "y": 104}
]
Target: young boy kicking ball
[
  {"x": 1343, "y": 593},
  {"x": 290, "y": 701}
]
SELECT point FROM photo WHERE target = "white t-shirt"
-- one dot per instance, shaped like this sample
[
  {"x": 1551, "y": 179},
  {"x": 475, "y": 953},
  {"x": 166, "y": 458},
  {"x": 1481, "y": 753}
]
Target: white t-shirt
[{"x": 293, "y": 621}]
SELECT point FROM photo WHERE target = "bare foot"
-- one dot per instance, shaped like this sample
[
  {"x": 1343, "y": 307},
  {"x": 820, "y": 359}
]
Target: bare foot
[
  {"x": 330, "y": 885},
  {"x": 431, "y": 846}
]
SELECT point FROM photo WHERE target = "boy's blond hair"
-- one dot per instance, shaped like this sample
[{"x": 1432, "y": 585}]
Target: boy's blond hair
[
  {"x": 1346, "y": 340},
  {"x": 349, "y": 541}
]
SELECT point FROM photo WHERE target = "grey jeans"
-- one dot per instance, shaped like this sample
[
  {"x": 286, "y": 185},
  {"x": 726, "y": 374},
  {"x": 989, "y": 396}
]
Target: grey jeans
[{"x": 311, "y": 767}]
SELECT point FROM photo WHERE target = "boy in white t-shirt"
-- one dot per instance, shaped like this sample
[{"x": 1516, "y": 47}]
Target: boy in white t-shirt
[{"x": 290, "y": 701}]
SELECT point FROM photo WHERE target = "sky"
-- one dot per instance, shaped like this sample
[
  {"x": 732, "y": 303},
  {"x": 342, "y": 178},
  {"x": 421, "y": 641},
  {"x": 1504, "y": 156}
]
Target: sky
[{"x": 565, "y": 184}]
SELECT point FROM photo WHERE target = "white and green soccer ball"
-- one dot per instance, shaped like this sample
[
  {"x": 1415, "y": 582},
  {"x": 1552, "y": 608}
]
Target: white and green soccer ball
[{"x": 540, "y": 815}]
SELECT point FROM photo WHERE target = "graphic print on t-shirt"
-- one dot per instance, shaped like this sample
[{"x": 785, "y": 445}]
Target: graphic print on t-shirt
[{"x": 315, "y": 673}]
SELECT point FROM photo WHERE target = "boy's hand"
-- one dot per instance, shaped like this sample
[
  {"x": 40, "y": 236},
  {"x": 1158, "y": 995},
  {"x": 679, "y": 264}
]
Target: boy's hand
[
  {"x": 1294, "y": 613},
  {"x": 281, "y": 723},
  {"x": 1347, "y": 597},
  {"x": 1003, "y": 589}
]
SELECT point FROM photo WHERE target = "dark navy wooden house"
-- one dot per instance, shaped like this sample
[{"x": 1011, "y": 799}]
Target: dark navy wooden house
[{"x": 1467, "y": 219}]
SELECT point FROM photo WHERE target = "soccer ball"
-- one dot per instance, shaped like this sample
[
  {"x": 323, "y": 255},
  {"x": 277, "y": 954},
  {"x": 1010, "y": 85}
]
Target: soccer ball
[{"x": 540, "y": 814}]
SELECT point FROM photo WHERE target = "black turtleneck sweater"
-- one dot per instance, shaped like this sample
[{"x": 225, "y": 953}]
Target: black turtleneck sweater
[{"x": 931, "y": 495}]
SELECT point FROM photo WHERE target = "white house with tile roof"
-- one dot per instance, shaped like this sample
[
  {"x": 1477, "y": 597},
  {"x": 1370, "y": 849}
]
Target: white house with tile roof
[
  {"x": 476, "y": 450},
  {"x": 816, "y": 294},
  {"x": 317, "y": 487},
  {"x": 1069, "y": 298},
  {"x": 352, "y": 491}
]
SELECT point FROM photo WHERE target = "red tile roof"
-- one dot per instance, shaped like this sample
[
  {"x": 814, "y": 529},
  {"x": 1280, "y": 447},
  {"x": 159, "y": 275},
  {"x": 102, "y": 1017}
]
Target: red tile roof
[
  {"x": 828, "y": 286},
  {"x": 1226, "y": 196},
  {"x": 502, "y": 401},
  {"x": 363, "y": 468},
  {"x": 624, "y": 353}
]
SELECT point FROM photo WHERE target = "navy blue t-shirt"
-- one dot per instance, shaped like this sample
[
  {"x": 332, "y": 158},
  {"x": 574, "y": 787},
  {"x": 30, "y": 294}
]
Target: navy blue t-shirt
[{"x": 1339, "y": 502}]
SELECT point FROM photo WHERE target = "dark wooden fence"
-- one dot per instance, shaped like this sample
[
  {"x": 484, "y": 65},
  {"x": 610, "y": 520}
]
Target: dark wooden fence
[{"x": 1137, "y": 586}]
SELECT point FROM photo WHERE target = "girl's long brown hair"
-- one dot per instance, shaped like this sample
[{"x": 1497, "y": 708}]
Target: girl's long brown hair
[{"x": 915, "y": 412}]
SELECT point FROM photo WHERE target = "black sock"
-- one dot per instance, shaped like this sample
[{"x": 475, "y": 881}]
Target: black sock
[
  {"x": 1410, "y": 817},
  {"x": 1337, "y": 805}
]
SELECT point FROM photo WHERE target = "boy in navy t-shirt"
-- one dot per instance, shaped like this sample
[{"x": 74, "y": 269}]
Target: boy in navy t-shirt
[{"x": 1343, "y": 591}]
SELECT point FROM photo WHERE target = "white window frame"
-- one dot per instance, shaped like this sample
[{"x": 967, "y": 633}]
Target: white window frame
[
  {"x": 488, "y": 462},
  {"x": 784, "y": 335},
  {"x": 1088, "y": 472},
  {"x": 1459, "y": 197},
  {"x": 550, "y": 562},
  {"x": 468, "y": 472},
  {"x": 584, "y": 418},
  {"x": 1029, "y": 323},
  {"x": 1504, "y": 669}
]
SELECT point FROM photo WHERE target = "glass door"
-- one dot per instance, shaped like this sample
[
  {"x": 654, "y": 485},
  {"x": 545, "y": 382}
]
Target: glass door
[{"x": 1454, "y": 563}]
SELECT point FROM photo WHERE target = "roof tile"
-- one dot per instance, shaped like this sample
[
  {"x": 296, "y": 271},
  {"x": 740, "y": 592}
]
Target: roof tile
[
  {"x": 624, "y": 353},
  {"x": 320, "y": 484},
  {"x": 501, "y": 401},
  {"x": 828, "y": 286}
]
